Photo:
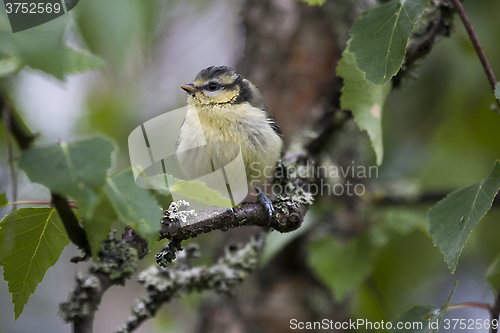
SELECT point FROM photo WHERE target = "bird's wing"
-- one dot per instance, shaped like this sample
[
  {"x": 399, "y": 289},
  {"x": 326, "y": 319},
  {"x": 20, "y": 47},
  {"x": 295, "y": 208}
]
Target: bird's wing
[
  {"x": 257, "y": 101},
  {"x": 272, "y": 122}
]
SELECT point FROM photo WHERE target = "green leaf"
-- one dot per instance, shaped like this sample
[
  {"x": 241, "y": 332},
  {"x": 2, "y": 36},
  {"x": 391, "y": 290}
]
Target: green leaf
[
  {"x": 497, "y": 91},
  {"x": 192, "y": 189},
  {"x": 77, "y": 169},
  {"x": 364, "y": 99},
  {"x": 82, "y": 61},
  {"x": 31, "y": 241},
  {"x": 419, "y": 316},
  {"x": 134, "y": 29},
  {"x": 3, "y": 200},
  {"x": 41, "y": 47},
  {"x": 10, "y": 66},
  {"x": 97, "y": 227},
  {"x": 200, "y": 192},
  {"x": 422, "y": 318},
  {"x": 314, "y": 2},
  {"x": 493, "y": 274},
  {"x": 44, "y": 48},
  {"x": 454, "y": 217},
  {"x": 341, "y": 267},
  {"x": 379, "y": 38},
  {"x": 134, "y": 206}
]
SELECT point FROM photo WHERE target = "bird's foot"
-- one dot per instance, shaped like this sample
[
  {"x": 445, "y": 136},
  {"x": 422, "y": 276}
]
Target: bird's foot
[{"x": 268, "y": 205}]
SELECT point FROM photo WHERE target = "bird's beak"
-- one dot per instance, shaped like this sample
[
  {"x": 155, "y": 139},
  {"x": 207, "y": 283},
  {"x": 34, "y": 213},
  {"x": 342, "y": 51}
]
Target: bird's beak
[{"x": 190, "y": 88}]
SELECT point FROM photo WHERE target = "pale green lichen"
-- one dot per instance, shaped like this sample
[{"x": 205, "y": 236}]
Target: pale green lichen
[
  {"x": 293, "y": 200},
  {"x": 178, "y": 211},
  {"x": 117, "y": 262},
  {"x": 179, "y": 279}
]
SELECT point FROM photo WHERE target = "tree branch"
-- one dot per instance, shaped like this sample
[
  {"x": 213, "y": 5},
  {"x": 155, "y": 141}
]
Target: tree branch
[
  {"x": 435, "y": 23},
  {"x": 117, "y": 262},
  {"x": 10, "y": 157},
  {"x": 179, "y": 278},
  {"x": 23, "y": 137},
  {"x": 474, "y": 305},
  {"x": 290, "y": 214},
  {"x": 75, "y": 232},
  {"x": 477, "y": 46}
]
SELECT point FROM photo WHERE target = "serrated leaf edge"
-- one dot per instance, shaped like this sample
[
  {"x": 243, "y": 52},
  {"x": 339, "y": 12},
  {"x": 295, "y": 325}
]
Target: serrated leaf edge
[
  {"x": 401, "y": 7},
  {"x": 453, "y": 266},
  {"x": 39, "y": 240}
]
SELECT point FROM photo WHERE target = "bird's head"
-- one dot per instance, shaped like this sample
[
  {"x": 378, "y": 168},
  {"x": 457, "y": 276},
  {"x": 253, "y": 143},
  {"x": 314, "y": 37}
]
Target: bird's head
[{"x": 217, "y": 85}]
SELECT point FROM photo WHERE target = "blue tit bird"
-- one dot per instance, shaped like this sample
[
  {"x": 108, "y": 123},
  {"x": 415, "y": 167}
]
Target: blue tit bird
[{"x": 230, "y": 109}]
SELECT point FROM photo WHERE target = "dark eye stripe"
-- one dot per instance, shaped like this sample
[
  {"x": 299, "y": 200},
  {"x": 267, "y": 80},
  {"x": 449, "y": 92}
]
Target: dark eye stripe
[{"x": 212, "y": 86}]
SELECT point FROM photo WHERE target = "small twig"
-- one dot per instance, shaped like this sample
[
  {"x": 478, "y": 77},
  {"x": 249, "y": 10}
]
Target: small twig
[
  {"x": 475, "y": 305},
  {"x": 477, "y": 46},
  {"x": 10, "y": 157},
  {"x": 168, "y": 254},
  {"x": 24, "y": 138},
  {"x": 39, "y": 202},
  {"x": 75, "y": 232}
]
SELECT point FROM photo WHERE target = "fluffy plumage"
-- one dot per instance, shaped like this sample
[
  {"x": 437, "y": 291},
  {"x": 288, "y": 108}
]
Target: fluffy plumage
[{"x": 225, "y": 107}]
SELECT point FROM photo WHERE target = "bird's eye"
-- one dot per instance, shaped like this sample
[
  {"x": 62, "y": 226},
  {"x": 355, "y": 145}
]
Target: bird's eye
[{"x": 213, "y": 86}]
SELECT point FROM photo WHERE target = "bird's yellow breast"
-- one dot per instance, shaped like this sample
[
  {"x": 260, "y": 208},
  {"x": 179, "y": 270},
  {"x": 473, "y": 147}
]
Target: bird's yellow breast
[{"x": 243, "y": 125}]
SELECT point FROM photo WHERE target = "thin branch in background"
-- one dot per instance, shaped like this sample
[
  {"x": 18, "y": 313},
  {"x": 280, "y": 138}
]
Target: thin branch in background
[
  {"x": 163, "y": 284},
  {"x": 474, "y": 305},
  {"x": 117, "y": 262},
  {"x": 23, "y": 137},
  {"x": 477, "y": 46},
  {"x": 39, "y": 202},
  {"x": 10, "y": 158},
  {"x": 436, "y": 23},
  {"x": 75, "y": 231}
]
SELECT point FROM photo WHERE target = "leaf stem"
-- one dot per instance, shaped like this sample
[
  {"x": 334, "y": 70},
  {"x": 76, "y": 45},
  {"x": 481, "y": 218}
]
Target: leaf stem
[
  {"x": 477, "y": 46},
  {"x": 39, "y": 202},
  {"x": 476, "y": 305}
]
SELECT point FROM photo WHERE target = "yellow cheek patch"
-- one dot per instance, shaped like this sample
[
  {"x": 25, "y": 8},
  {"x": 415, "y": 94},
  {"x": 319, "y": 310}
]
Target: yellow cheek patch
[
  {"x": 225, "y": 96},
  {"x": 221, "y": 96}
]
